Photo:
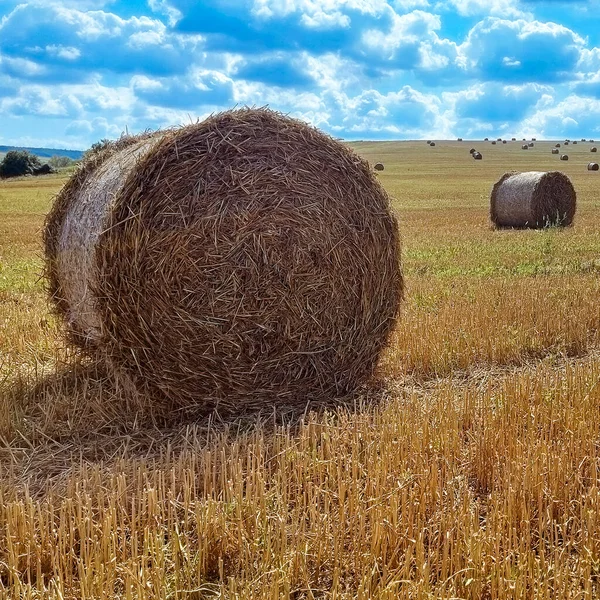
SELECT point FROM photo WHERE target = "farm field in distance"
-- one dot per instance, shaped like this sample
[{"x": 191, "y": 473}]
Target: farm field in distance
[{"x": 469, "y": 469}]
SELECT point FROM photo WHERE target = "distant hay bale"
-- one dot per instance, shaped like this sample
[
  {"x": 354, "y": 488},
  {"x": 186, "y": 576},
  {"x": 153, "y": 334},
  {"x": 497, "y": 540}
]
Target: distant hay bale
[
  {"x": 499, "y": 139},
  {"x": 477, "y": 156},
  {"x": 530, "y": 144},
  {"x": 592, "y": 166},
  {"x": 583, "y": 139},
  {"x": 533, "y": 139},
  {"x": 532, "y": 199},
  {"x": 504, "y": 141},
  {"x": 428, "y": 141},
  {"x": 555, "y": 150},
  {"x": 574, "y": 141},
  {"x": 485, "y": 139},
  {"x": 472, "y": 151},
  {"x": 557, "y": 145},
  {"x": 432, "y": 143},
  {"x": 524, "y": 147},
  {"x": 493, "y": 142},
  {"x": 564, "y": 157},
  {"x": 566, "y": 143},
  {"x": 513, "y": 139},
  {"x": 243, "y": 260},
  {"x": 593, "y": 149},
  {"x": 379, "y": 166}
]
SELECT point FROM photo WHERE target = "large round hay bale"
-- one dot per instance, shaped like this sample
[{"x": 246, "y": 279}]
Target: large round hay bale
[
  {"x": 532, "y": 199},
  {"x": 592, "y": 166},
  {"x": 557, "y": 145},
  {"x": 555, "y": 150},
  {"x": 524, "y": 147},
  {"x": 564, "y": 157},
  {"x": 593, "y": 149},
  {"x": 432, "y": 143},
  {"x": 530, "y": 144},
  {"x": 472, "y": 151},
  {"x": 493, "y": 142},
  {"x": 246, "y": 259},
  {"x": 477, "y": 155},
  {"x": 504, "y": 141},
  {"x": 379, "y": 166}
]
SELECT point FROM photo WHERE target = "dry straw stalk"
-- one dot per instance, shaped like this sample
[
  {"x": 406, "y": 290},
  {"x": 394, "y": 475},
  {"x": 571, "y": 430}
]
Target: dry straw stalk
[
  {"x": 244, "y": 260},
  {"x": 533, "y": 199}
]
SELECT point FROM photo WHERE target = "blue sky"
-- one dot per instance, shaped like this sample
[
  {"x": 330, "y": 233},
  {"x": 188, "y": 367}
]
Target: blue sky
[{"x": 76, "y": 71}]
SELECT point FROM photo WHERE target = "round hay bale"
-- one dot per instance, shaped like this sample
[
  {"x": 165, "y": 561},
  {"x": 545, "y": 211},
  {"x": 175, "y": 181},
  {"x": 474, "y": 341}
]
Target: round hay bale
[
  {"x": 557, "y": 145},
  {"x": 555, "y": 150},
  {"x": 564, "y": 157},
  {"x": 504, "y": 141},
  {"x": 428, "y": 141},
  {"x": 524, "y": 147},
  {"x": 499, "y": 139},
  {"x": 244, "y": 260},
  {"x": 532, "y": 199},
  {"x": 592, "y": 166},
  {"x": 379, "y": 167},
  {"x": 513, "y": 139},
  {"x": 534, "y": 139},
  {"x": 493, "y": 142},
  {"x": 472, "y": 151},
  {"x": 432, "y": 144},
  {"x": 530, "y": 144},
  {"x": 566, "y": 143},
  {"x": 477, "y": 156},
  {"x": 574, "y": 141},
  {"x": 593, "y": 149}
]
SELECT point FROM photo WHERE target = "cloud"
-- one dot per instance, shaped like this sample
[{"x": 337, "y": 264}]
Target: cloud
[
  {"x": 518, "y": 51},
  {"x": 66, "y": 43},
  {"x": 572, "y": 116},
  {"x": 196, "y": 91},
  {"x": 470, "y": 8},
  {"x": 496, "y": 103}
]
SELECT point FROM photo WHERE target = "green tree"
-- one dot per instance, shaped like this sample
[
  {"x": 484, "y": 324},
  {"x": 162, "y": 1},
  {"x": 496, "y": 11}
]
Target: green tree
[
  {"x": 59, "y": 162},
  {"x": 18, "y": 162}
]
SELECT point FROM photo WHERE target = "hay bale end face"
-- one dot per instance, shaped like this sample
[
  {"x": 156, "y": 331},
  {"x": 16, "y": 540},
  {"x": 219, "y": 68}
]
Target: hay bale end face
[
  {"x": 564, "y": 157},
  {"x": 593, "y": 149},
  {"x": 472, "y": 151},
  {"x": 262, "y": 265},
  {"x": 477, "y": 156},
  {"x": 592, "y": 166},
  {"x": 379, "y": 166},
  {"x": 532, "y": 200}
]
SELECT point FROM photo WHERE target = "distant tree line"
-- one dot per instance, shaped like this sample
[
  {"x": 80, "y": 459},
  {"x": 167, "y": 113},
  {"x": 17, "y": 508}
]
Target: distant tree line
[{"x": 17, "y": 163}]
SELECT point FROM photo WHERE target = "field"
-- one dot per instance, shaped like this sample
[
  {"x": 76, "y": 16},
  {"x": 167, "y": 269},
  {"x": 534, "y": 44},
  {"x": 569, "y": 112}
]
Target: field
[{"x": 469, "y": 469}]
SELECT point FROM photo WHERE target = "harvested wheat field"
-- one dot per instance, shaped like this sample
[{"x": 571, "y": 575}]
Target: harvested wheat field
[{"x": 469, "y": 467}]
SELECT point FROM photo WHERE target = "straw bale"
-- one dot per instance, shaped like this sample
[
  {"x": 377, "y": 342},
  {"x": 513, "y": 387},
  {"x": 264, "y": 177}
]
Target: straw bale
[
  {"x": 555, "y": 150},
  {"x": 493, "y": 142},
  {"x": 504, "y": 141},
  {"x": 524, "y": 147},
  {"x": 477, "y": 155},
  {"x": 592, "y": 166},
  {"x": 557, "y": 145},
  {"x": 566, "y": 143},
  {"x": 532, "y": 199},
  {"x": 245, "y": 260},
  {"x": 432, "y": 143},
  {"x": 593, "y": 149},
  {"x": 472, "y": 151},
  {"x": 530, "y": 144},
  {"x": 379, "y": 166},
  {"x": 574, "y": 142},
  {"x": 564, "y": 157}
]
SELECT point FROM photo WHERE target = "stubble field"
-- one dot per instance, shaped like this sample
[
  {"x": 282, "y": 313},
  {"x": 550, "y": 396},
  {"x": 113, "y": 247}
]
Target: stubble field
[{"x": 469, "y": 469}]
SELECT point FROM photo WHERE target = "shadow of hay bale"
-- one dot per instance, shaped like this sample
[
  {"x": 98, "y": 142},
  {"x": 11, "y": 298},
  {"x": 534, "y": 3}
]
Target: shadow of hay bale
[{"x": 82, "y": 417}]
